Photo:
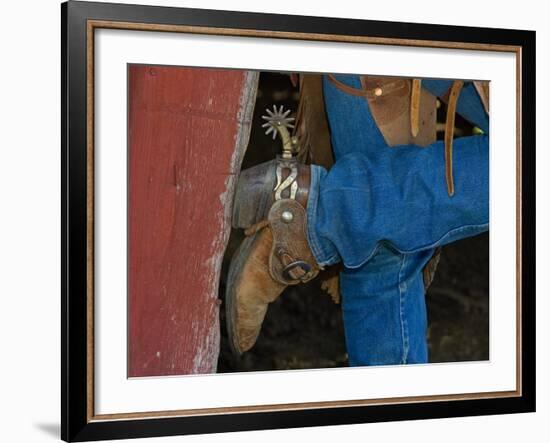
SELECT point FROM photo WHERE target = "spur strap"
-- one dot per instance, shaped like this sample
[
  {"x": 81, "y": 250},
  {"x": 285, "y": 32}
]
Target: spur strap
[{"x": 291, "y": 260}]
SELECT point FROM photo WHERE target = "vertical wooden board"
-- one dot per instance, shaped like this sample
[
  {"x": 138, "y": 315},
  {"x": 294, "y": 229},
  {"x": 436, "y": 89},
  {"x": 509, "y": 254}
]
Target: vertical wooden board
[{"x": 188, "y": 129}]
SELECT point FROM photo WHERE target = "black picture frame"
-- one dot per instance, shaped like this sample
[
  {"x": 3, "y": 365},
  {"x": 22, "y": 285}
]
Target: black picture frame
[{"x": 76, "y": 423}]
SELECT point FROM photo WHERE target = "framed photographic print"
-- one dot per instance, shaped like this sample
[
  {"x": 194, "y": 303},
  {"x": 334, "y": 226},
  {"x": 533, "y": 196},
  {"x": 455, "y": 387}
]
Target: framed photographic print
[{"x": 279, "y": 221}]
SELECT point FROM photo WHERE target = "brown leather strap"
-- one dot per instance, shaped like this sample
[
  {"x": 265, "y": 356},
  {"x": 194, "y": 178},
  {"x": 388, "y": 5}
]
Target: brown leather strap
[
  {"x": 291, "y": 260},
  {"x": 364, "y": 92},
  {"x": 449, "y": 134},
  {"x": 304, "y": 181},
  {"x": 415, "y": 106},
  {"x": 347, "y": 89}
]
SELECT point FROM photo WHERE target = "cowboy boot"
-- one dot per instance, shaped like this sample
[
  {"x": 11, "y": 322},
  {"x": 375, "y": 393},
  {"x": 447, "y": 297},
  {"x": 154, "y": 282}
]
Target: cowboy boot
[{"x": 270, "y": 202}]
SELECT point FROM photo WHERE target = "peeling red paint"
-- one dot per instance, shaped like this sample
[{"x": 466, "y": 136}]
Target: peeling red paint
[{"x": 188, "y": 129}]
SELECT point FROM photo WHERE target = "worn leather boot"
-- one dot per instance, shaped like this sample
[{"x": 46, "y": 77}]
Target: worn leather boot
[{"x": 270, "y": 203}]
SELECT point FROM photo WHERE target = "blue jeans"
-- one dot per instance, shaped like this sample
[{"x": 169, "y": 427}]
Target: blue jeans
[{"x": 382, "y": 211}]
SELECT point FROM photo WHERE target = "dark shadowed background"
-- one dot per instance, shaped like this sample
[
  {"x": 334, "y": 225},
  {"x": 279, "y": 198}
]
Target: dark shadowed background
[{"x": 303, "y": 327}]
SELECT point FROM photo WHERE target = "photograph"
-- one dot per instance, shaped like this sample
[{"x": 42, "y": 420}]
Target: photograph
[
  {"x": 359, "y": 220},
  {"x": 242, "y": 221},
  {"x": 277, "y": 221}
]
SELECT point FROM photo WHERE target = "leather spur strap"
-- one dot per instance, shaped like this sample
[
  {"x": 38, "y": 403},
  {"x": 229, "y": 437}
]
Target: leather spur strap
[{"x": 291, "y": 260}]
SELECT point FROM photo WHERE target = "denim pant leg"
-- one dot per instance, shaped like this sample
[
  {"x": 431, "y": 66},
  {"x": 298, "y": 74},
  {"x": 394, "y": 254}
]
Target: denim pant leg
[
  {"x": 384, "y": 309},
  {"x": 383, "y": 300},
  {"x": 401, "y": 200},
  {"x": 384, "y": 320},
  {"x": 382, "y": 220}
]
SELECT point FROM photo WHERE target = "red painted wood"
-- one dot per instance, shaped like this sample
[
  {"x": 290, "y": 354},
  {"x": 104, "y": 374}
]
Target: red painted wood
[{"x": 188, "y": 128}]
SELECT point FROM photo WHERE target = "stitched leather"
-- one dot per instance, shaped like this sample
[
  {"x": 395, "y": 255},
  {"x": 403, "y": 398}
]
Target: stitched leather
[{"x": 290, "y": 243}]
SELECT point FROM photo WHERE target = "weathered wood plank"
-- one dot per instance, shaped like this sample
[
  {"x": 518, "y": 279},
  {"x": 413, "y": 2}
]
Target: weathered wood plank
[{"x": 188, "y": 130}]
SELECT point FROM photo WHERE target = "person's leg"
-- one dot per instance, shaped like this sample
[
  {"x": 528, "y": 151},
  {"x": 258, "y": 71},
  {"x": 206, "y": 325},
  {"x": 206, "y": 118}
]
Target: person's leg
[
  {"x": 373, "y": 196},
  {"x": 383, "y": 194},
  {"x": 365, "y": 210},
  {"x": 400, "y": 199},
  {"x": 383, "y": 301},
  {"x": 384, "y": 309}
]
